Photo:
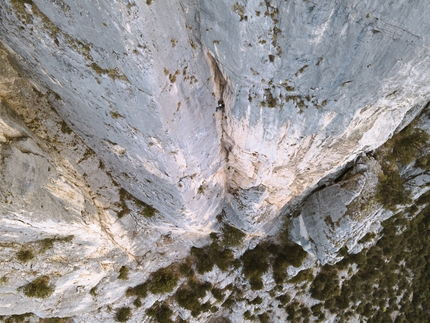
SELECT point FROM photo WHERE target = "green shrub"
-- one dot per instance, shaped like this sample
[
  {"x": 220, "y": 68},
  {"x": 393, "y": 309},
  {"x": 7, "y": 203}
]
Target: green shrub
[
  {"x": 185, "y": 269},
  {"x": 140, "y": 290},
  {"x": 48, "y": 243},
  {"x": 284, "y": 299},
  {"x": 160, "y": 312},
  {"x": 123, "y": 314},
  {"x": 302, "y": 276},
  {"x": 24, "y": 255},
  {"x": 223, "y": 259},
  {"x": 256, "y": 301},
  {"x": 232, "y": 237},
  {"x": 290, "y": 255},
  {"x": 38, "y": 288},
  {"x": 264, "y": 318},
  {"x": 211, "y": 255},
  {"x": 148, "y": 211},
  {"x": 163, "y": 281},
  {"x": 423, "y": 162},
  {"x": 390, "y": 190},
  {"x": 218, "y": 294},
  {"x": 325, "y": 284},
  {"x": 137, "y": 302},
  {"x": 423, "y": 199},
  {"x": 18, "y": 318},
  {"x": 305, "y": 313},
  {"x": 189, "y": 298},
  {"x": 317, "y": 309},
  {"x": 206, "y": 307},
  {"x": 123, "y": 273},
  {"x": 407, "y": 144},
  {"x": 229, "y": 302},
  {"x": 292, "y": 310},
  {"x": 256, "y": 283},
  {"x": 255, "y": 264},
  {"x": 204, "y": 259},
  {"x": 294, "y": 255},
  {"x": 201, "y": 189},
  {"x": 368, "y": 237},
  {"x": 248, "y": 316}
]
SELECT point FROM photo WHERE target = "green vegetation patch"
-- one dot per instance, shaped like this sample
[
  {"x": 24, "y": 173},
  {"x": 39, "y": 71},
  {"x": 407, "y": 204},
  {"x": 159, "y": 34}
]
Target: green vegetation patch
[
  {"x": 137, "y": 302},
  {"x": 390, "y": 189},
  {"x": 256, "y": 301},
  {"x": 24, "y": 255},
  {"x": 48, "y": 243},
  {"x": 304, "y": 275},
  {"x": 123, "y": 273},
  {"x": 393, "y": 276},
  {"x": 325, "y": 284},
  {"x": 123, "y": 314},
  {"x": 140, "y": 290},
  {"x": 18, "y": 318},
  {"x": 290, "y": 255},
  {"x": 408, "y": 143},
  {"x": 38, "y": 288},
  {"x": 188, "y": 296},
  {"x": 4, "y": 279},
  {"x": 148, "y": 211},
  {"x": 264, "y": 318},
  {"x": 218, "y": 294},
  {"x": 255, "y": 264},
  {"x": 145, "y": 210},
  {"x": 209, "y": 256},
  {"x": 404, "y": 148},
  {"x": 160, "y": 312},
  {"x": 163, "y": 281},
  {"x": 55, "y": 320},
  {"x": 283, "y": 299},
  {"x": 232, "y": 237}
]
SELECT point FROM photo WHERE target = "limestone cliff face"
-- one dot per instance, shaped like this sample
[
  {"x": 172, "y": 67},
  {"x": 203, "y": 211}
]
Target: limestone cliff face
[
  {"x": 110, "y": 105},
  {"x": 307, "y": 87}
]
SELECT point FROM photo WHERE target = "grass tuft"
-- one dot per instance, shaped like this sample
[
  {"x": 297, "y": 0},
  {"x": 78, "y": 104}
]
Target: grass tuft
[{"x": 38, "y": 288}]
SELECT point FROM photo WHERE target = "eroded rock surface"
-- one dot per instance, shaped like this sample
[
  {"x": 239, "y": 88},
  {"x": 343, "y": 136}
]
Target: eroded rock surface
[
  {"x": 108, "y": 108},
  {"x": 307, "y": 87}
]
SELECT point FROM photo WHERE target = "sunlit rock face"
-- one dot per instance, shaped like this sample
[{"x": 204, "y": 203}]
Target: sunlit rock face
[
  {"x": 117, "y": 107},
  {"x": 307, "y": 86},
  {"x": 62, "y": 215}
]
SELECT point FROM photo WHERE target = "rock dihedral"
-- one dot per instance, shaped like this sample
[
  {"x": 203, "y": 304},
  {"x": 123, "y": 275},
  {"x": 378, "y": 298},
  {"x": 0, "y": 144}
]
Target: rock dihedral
[{"x": 307, "y": 88}]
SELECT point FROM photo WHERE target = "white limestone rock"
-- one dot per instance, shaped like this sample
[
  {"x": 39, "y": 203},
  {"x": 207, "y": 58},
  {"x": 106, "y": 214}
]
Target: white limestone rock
[
  {"x": 340, "y": 214},
  {"x": 307, "y": 87},
  {"x": 137, "y": 87}
]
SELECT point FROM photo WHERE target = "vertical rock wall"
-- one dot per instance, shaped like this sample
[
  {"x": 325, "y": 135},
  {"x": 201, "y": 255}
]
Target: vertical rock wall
[{"x": 307, "y": 86}]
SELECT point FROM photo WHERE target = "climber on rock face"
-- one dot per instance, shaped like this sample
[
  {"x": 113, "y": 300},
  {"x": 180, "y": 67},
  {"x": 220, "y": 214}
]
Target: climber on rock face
[{"x": 220, "y": 106}]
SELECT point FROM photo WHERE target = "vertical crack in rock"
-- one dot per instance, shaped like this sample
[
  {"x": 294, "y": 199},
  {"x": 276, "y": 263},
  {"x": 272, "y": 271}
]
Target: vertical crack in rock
[{"x": 222, "y": 88}]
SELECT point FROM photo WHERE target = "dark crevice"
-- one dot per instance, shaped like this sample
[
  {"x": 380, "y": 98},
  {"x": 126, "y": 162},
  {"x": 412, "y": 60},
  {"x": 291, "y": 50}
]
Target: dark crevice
[{"x": 219, "y": 81}]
